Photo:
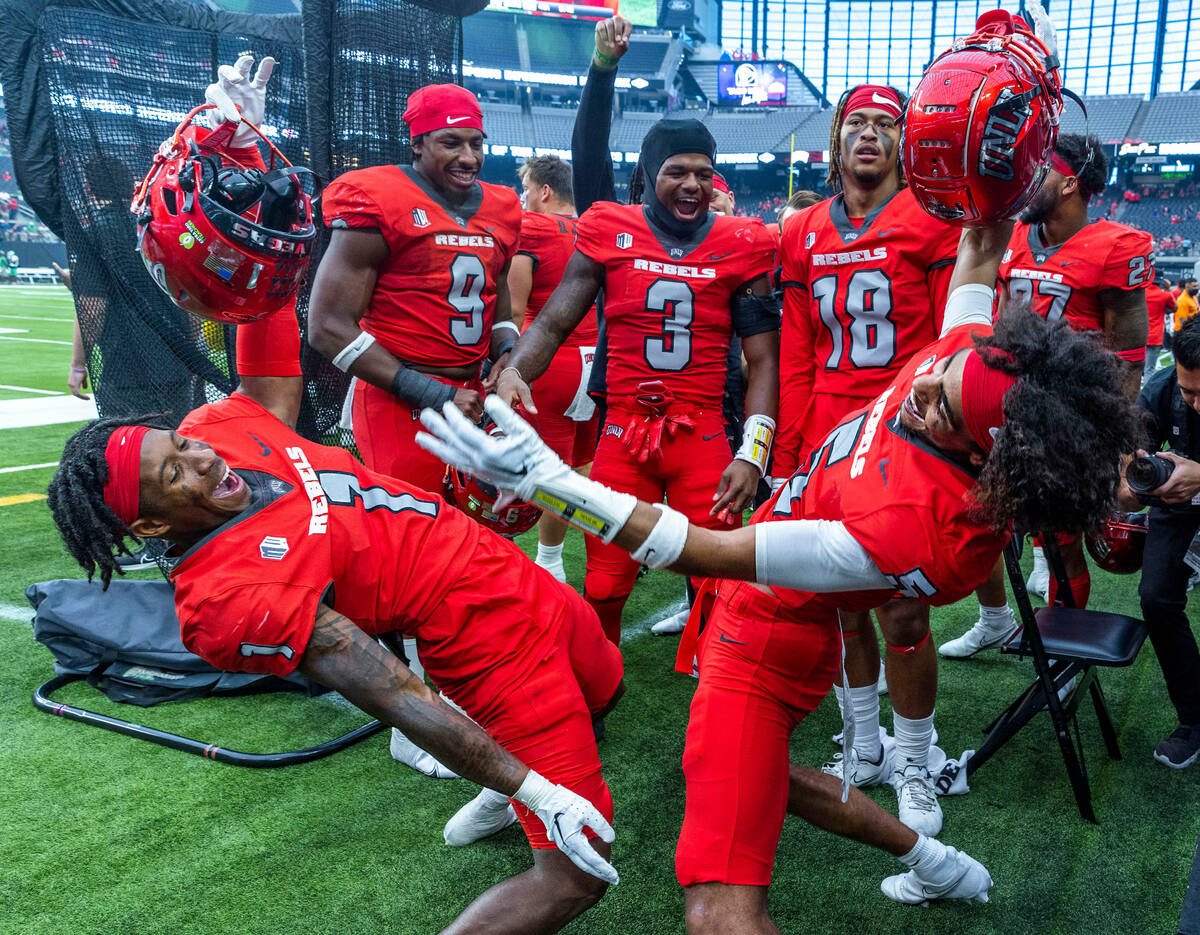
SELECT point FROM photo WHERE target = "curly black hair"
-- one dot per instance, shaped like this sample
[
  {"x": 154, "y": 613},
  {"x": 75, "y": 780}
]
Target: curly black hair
[
  {"x": 1054, "y": 466},
  {"x": 1085, "y": 156},
  {"x": 92, "y": 532},
  {"x": 637, "y": 184}
]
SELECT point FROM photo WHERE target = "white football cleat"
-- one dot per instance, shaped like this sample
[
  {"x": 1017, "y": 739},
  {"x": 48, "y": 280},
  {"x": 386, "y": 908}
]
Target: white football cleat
[
  {"x": 918, "y": 801},
  {"x": 672, "y": 624},
  {"x": 405, "y": 751},
  {"x": 864, "y": 772},
  {"x": 978, "y": 638},
  {"x": 970, "y": 881},
  {"x": 480, "y": 818}
]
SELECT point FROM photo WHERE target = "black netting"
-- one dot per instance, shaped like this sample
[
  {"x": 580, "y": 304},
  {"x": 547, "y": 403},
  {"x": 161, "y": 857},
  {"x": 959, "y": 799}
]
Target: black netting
[{"x": 94, "y": 86}]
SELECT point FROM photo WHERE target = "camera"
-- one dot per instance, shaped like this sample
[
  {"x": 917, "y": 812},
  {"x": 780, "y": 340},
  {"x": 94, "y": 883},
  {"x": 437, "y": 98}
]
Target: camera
[{"x": 1145, "y": 474}]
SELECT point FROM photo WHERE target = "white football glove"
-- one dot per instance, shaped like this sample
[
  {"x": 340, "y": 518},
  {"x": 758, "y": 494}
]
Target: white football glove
[
  {"x": 565, "y": 815},
  {"x": 237, "y": 95},
  {"x": 1043, "y": 28},
  {"x": 521, "y": 462}
]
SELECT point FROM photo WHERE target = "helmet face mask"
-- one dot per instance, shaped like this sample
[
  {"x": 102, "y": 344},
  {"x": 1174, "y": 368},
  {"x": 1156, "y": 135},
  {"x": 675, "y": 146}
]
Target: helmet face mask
[
  {"x": 1119, "y": 547},
  {"x": 478, "y": 500},
  {"x": 982, "y": 123},
  {"x": 229, "y": 243}
]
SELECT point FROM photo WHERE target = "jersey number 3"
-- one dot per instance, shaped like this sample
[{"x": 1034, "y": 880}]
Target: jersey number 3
[
  {"x": 465, "y": 297},
  {"x": 675, "y": 301},
  {"x": 870, "y": 341}
]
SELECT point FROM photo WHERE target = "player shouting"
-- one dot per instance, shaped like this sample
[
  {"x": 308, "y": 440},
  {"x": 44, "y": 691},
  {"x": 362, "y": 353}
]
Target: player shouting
[
  {"x": 865, "y": 276},
  {"x": 678, "y": 282},
  {"x": 912, "y": 494}
]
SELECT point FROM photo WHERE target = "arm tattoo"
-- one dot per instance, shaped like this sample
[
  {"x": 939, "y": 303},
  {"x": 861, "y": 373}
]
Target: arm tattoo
[{"x": 343, "y": 657}]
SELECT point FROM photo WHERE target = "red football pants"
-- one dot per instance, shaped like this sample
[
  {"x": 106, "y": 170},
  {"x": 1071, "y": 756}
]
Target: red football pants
[
  {"x": 761, "y": 673},
  {"x": 385, "y": 431},
  {"x": 553, "y": 393},
  {"x": 686, "y": 472},
  {"x": 544, "y": 717}
]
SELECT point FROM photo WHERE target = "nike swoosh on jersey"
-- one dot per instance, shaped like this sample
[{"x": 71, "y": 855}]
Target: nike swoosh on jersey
[
  {"x": 883, "y": 469},
  {"x": 726, "y": 639},
  {"x": 712, "y": 257},
  {"x": 454, "y": 120},
  {"x": 709, "y": 438},
  {"x": 265, "y": 450},
  {"x": 888, "y": 231}
]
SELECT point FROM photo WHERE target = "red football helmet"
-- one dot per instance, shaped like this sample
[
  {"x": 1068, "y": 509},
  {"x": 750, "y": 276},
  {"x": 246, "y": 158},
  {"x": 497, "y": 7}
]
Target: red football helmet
[
  {"x": 981, "y": 125},
  {"x": 228, "y": 242},
  {"x": 478, "y": 500},
  {"x": 1120, "y": 545}
]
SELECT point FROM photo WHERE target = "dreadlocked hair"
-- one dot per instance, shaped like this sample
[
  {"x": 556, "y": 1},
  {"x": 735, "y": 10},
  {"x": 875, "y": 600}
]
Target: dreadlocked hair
[
  {"x": 1054, "y": 466},
  {"x": 637, "y": 184},
  {"x": 833, "y": 178},
  {"x": 92, "y": 532},
  {"x": 1085, "y": 156}
]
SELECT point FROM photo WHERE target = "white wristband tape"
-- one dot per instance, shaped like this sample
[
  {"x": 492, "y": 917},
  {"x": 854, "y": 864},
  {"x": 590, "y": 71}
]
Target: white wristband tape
[
  {"x": 500, "y": 325},
  {"x": 665, "y": 543},
  {"x": 756, "y": 441},
  {"x": 353, "y": 351}
]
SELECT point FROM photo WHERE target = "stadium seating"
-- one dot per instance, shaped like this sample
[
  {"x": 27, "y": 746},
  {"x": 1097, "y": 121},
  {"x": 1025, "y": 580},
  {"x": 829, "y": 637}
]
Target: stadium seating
[
  {"x": 1109, "y": 118},
  {"x": 1172, "y": 117},
  {"x": 757, "y": 131},
  {"x": 552, "y": 127},
  {"x": 504, "y": 125},
  {"x": 490, "y": 41}
]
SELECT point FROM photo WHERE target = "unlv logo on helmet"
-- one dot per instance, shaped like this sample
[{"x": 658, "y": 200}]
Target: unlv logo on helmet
[
  {"x": 980, "y": 127},
  {"x": 1006, "y": 118}
]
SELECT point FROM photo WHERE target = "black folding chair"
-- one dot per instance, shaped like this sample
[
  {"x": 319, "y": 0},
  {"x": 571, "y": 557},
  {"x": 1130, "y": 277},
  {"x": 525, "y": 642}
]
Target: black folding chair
[{"x": 1065, "y": 643}]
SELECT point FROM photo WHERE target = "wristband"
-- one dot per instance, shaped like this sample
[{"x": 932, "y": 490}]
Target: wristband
[
  {"x": 514, "y": 370},
  {"x": 604, "y": 61},
  {"x": 78, "y": 370},
  {"x": 756, "y": 441},
  {"x": 505, "y": 324},
  {"x": 505, "y": 346},
  {"x": 1135, "y": 355},
  {"x": 535, "y": 789},
  {"x": 419, "y": 389},
  {"x": 353, "y": 351},
  {"x": 664, "y": 544}
]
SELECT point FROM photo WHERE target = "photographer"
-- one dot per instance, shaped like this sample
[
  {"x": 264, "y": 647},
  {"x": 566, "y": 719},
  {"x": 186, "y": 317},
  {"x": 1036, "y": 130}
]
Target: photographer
[{"x": 1170, "y": 401}]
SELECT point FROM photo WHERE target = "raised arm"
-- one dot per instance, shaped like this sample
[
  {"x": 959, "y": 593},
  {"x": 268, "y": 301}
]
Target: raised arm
[{"x": 591, "y": 161}]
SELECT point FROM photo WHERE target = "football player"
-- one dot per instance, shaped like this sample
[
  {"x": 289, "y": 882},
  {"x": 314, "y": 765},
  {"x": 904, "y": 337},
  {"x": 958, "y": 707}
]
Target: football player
[
  {"x": 1094, "y": 275},
  {"x": 678, "y": 281},
  {"x": 1159, "y": 304},
  {"x": 566, "y": 416},
  {"x": 865, "y": 276},
  {"x": 410, "y": 296},
  {"x": 290, "y": 553},
  {"x": 912, "y": 494}
]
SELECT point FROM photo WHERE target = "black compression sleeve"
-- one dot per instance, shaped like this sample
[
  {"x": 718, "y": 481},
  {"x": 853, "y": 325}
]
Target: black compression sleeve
[{"x": 591, "y": 162}]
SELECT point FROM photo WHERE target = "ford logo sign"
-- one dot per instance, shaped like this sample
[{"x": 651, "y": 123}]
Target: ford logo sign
[{"x": 679, "y": 6}]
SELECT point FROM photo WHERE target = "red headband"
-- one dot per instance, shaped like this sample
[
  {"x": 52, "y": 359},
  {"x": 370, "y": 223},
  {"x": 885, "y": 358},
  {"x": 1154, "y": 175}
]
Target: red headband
[
  {"x": 1062, "y": 167},
  {"x": 875, "y": 96},
  {"x": 123, "y": 454},
  {"x": 719, "y": 183},
  {"x": 437, "y": 106},
  {"x": 983, "y": 390}
]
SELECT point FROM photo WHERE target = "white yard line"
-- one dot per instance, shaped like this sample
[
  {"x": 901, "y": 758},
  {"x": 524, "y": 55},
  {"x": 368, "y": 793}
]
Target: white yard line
[
  {"x": 45, "y": 410},
  {"x": 28, "y": 467},
  {"x": 65, "y": 321},
  {"x": 15, "y": 613},
  {"x": 30, "y": 389},
  {"x": 4, "y": 337}
]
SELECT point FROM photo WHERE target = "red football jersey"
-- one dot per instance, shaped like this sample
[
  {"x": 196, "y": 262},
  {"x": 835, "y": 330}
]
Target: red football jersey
[
  {"x": 1065, "y": 280},
  {"x": 859, "y": 301},
  {"x": 903, "y": 500},
  {"x": 549, "y": 240},
  {"x": 667, "y": 309},
  {"x": 1158, "y": 304},
  {"x": 436, "y": 294},
  {"x": 322, "y": 527}
]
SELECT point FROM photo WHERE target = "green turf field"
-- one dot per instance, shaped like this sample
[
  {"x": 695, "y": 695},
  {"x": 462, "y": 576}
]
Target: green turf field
[{"x": 103, "y": 834}]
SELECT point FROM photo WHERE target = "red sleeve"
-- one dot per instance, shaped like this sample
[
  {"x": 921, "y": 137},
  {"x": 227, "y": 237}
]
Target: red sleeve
[
  {"x": 762, "y": 253},
  {"x": 1128, "y": 265},
  {"x": 592, "y": 234},
  {"x": 346, "y": 204},
  {"x": 531, "y": 240},
  {"x": 941, "y": 268},
  {"x": 796, "y": 342},
  {"x": 270, "y": 347},
  {"x": 264, "y": 627}
]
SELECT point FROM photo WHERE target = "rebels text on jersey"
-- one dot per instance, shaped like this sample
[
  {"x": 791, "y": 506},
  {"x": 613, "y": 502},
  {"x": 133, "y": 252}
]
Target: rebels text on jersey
[
  {"x": 667, "y": 302},
  {"x": 905, "y": 502},
  {"x": 858, "y": 303},
  {"x": 323, "y": 528},
  {"x": 436, "y": 293},
  {"x": 549, "y": 241},
  {"x": 1066, "y": 280}
]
